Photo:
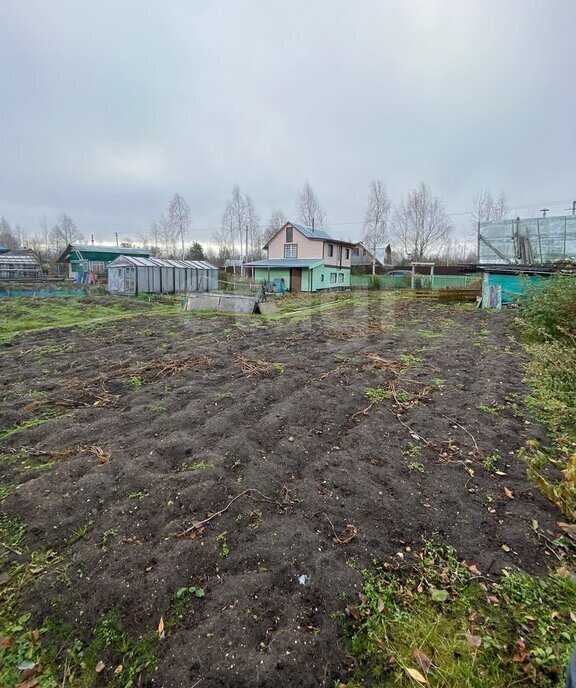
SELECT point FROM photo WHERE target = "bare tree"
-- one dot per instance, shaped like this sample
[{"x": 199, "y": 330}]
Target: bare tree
[
  {"x": 421, "y": 225},
  {"x": 65, "y": 232},
  {"x": 8, "y": 238},
  {"x": 179, "y": 219},
  {"x": 308, "y": 208},
  {"x": 487, "y": 208},
  {"x": 275, "y": 223},
  {"x": 234, "y": 222},
  {"x": 376, "y": 218},
  {"x": 253, "y": 231}
]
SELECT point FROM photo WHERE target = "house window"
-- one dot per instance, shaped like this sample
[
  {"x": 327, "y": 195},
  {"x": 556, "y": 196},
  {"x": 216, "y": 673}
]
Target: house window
[
  {"x": 341, "y": 277},
  {"x": 356, "y": 251},
  {"x": 290, "y": 250},
  {"x": 333, "y": 277},
  {"x": 322, "y": 277},
  {"x": 330, "y": 250},
  {"x": 347, "y": 253},
  {"x": 98, "y": 266},
  {"x": 289, "y": 235}
]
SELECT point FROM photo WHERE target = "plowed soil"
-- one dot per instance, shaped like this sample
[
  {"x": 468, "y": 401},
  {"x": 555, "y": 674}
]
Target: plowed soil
[{"x": 154, "y": 425}]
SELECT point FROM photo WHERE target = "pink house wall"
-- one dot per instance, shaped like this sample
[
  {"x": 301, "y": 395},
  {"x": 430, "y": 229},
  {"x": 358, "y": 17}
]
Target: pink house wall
[{"x": 309, "y": 248}]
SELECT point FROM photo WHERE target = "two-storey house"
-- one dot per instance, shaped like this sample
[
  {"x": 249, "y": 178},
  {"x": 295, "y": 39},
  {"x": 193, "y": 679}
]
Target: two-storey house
[{"x": 307, "y": 259}]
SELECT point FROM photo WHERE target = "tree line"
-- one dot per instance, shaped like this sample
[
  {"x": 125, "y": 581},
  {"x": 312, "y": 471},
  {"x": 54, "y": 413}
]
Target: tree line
[{"x": 417, "y": 228}]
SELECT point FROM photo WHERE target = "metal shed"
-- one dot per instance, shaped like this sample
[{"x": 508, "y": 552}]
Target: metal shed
[{"x": 130, "y": 275}]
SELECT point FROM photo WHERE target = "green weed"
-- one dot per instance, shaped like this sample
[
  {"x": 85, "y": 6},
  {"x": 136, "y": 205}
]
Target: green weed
[
  {"x": 416, "y": 466},
  {"x": 135, "y": 382},
  {"x": 492, "y": 463},
  {"x": 224, "y": 547},
  {"x": 493, "y": 409},
  {"x": 434, "y": 618}
]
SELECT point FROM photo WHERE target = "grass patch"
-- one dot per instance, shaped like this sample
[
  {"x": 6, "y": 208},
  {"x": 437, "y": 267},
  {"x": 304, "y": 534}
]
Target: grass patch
[
  {"x": 20, "y": 315},
  {"x": 434, "y": 618},
  {"x": 548, "y": 323}
]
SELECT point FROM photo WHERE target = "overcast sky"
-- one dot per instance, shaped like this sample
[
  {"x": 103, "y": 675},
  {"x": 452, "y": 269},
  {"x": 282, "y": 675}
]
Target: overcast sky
[{"x": 109, "y": 107}]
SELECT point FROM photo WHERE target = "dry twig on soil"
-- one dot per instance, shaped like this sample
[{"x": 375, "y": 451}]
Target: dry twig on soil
[
  {"x": 252, "y": 368},
  {"x": 350, "y": 529},
  {"x": 198, "y": 526}
]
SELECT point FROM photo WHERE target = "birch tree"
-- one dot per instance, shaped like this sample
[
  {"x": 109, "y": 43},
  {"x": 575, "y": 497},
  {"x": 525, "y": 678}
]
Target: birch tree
[
  {"x": 421, "y": 225},
  {"x": 308, "y": 208},
  {"x": 376, "y": 218},
  {"x": 179, "y": 219}
]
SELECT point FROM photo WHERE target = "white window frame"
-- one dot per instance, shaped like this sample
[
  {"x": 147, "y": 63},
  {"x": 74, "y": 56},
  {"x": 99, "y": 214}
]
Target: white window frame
[
  {"x": 290, "y": 250},
  {"x": 332, "y": 278},
  {"x": 341, "y": 277}
]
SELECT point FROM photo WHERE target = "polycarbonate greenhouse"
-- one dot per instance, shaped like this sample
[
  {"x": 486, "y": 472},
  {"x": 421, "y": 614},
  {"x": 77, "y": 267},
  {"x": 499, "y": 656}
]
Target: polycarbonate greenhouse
[
  {"x": 19, "y": 267},
  {"x": 129, "y": 275}
]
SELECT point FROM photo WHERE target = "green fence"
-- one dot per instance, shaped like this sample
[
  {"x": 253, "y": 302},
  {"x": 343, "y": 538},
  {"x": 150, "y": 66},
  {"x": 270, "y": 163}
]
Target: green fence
[{"x": 420, "y": 281}]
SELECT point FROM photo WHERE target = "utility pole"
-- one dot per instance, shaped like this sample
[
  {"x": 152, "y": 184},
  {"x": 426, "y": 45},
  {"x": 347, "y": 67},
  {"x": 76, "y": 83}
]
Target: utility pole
[
  {"x": 92, "y": 239},
  {"x": 116, "y": 235},
  {"x": 544, "y": 211},
  {"x": 573, "y": 208}
]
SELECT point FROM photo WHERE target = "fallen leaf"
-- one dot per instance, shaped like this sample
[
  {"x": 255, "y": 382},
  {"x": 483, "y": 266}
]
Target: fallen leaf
[
  {"x": 438, "y": 595},
  {"x": 424, "y": 662},
  {"x": 99, "y": 668},
  {"x": 563, "y": 572},
  {"x": 417, "y": 676},
  {"x": 505, "y": 548},
  {"x": 6, "y": 642},
  {"x": 474, "y": 569},
  {"x": 29, "y": 683},
  {"x": 554, "y": 615},
  {"x": 534, "y": 523},
  {"x": 568, "y": 528},
  {"x": 493, "y": 600},
  {"x": 573, "y": 616},
  {"x": 500, "y": 473},
  {"x": 381, "y": 605},
  {"x": 161, "y": 628},
  {"x": 469, "y": 471},
  {"x": 35, "y": 634},
  {"x": 354, "y": 612},
  {"x": 119, "y": 669},
  {"x": 508, "y": 493},
  {"x": 473, "y": 640}
]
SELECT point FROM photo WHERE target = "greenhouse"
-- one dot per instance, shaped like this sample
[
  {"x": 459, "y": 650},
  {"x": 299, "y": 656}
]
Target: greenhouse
[
  {"x": 130, "y": 275},
  {"x": 19, "y": 267}
]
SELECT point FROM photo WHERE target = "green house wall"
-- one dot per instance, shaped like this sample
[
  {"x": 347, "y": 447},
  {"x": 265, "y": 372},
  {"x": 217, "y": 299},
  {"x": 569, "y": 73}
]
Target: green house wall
[{"x": 311, "y": 278}]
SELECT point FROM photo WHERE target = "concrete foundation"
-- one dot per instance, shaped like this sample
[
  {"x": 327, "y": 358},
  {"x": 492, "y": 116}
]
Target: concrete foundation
[{"x": 225, "y": 303}]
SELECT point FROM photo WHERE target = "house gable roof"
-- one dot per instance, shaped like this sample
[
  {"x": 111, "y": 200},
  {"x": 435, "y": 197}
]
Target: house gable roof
[{"x": 309, "y": 233}]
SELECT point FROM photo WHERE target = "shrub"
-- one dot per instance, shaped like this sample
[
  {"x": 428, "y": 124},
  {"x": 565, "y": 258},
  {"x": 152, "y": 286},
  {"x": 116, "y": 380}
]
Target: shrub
[
  {"x": 374, "y": 282},
  {"x": 550, "y": 308}
]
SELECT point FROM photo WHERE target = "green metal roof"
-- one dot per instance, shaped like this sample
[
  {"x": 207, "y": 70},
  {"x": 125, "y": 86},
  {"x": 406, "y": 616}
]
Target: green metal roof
[{"x": 97, "y": 251}]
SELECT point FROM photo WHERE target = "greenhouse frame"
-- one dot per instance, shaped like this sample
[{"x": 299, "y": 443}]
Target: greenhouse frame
[
  {"x": 130, "y": 276},
  {"x": 19, "y": 267}
]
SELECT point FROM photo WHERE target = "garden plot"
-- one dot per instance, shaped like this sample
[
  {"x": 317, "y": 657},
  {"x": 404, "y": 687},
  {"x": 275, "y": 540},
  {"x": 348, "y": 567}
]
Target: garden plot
[{"x": 191, "y": 498}]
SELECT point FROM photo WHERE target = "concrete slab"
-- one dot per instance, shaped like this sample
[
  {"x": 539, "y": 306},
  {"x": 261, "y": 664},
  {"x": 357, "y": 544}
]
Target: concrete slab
[{"x": 267, "y": 307}]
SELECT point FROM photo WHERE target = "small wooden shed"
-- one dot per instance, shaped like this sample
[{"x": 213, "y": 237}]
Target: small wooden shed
[{"x": 130, "y": 276}]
